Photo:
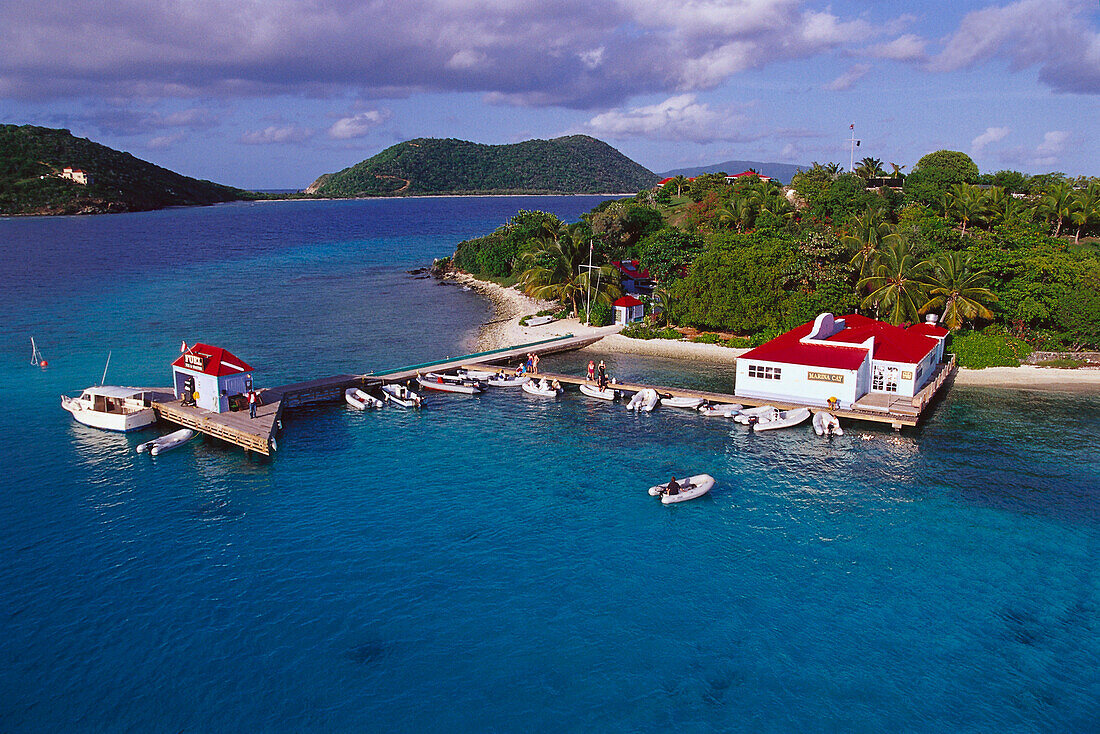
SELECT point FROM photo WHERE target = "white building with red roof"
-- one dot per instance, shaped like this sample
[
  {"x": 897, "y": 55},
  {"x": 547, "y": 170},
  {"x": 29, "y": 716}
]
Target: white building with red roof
[
  {"x": 628, "y": 309},
  {"x": 843, "y": 358},
  {"x": 218, "y": 375},
  {"x": 632, "y": 277}
]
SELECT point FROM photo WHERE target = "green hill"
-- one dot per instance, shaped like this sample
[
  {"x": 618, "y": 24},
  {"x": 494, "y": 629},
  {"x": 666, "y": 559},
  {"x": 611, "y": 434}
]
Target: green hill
[
  {"x": 33, "y": 158},
  {"x": 576, "y": 164}
]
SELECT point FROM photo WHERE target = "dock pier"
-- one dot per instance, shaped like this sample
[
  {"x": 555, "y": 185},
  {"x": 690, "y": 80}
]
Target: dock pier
[{"x": 259, "y": 434}]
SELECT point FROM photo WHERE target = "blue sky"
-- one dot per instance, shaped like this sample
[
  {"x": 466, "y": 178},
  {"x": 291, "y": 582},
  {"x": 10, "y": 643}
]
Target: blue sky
[{"x": 273, "y": 93}]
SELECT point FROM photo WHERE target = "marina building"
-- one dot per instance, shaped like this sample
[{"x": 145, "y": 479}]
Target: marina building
[
  {"x": 848, "y": 359},
  {"x": 214, "y": 373},
  {"x": 628, "y": 309}
]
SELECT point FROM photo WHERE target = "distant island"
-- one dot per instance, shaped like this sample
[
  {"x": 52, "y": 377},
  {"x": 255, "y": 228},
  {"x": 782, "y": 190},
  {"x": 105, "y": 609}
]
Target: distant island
[
  {"x": 49, "y": 171},
  {"x": 576, "y": 164}
]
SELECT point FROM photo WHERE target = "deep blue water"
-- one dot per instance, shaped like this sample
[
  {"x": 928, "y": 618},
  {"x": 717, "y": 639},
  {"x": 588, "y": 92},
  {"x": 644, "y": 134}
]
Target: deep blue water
[{"x": 494, "y": 563}]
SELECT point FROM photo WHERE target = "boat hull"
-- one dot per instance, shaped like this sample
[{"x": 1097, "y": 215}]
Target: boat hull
[
  {"x": 697, "y": 485},
  {"x": 120, "y": 422},
  {"x": 533, "y": 388},
  {"x": 361, "y": 400},
  {"x": 444, "y": 386},
  {"x": 785, "y": 419},
  {"x": 402, "y": 396},
  {"x": 594, "y": 392}
]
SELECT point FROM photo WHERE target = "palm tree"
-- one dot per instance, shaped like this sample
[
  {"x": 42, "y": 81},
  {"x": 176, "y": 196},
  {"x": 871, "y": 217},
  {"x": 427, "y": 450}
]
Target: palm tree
[
  {"x": 552, "y": 272},
  {"x": 1086, "y": 209},
  {"x": 1001, "y": 206},
  {"x": 869, "y": 233},
  {"x": 897, "y": 170},
  {"x": 869, "y": 168},
  {"x": 679, "y": 182},
  {"x": 957, "y": 290},
  {"x": 1057, "y": 204},
  {"x": 965, "y": 202},
  {"x": 896, "y": 283},
  {"x": 663, "y": 299}
]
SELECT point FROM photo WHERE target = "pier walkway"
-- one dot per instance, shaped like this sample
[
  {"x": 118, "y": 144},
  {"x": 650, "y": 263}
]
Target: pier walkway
[{"x": 259, "y": 434}]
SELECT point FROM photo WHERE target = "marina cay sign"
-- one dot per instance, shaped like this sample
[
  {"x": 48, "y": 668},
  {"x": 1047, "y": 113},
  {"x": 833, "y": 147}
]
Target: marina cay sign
[
  {"x": 825, "y": 377},
  {"x": 194, "y": 362}
]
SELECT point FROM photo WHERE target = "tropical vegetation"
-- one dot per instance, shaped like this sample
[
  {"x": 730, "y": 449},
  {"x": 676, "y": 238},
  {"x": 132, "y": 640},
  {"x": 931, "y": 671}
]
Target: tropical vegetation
[{"x": 1008, "y": 262}]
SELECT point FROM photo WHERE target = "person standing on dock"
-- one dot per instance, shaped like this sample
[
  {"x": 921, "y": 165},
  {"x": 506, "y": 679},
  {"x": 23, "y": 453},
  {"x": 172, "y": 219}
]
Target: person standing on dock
[
  {"x": 530, "y": 364},
  {"x": 591, "y": 371},
  {"x": 253, "y": 399},
  {"x": 535, "y": 363}
]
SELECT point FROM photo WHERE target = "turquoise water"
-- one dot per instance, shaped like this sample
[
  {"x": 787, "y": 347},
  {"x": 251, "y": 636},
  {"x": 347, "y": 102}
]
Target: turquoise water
[{"x": 494, "y": 563}]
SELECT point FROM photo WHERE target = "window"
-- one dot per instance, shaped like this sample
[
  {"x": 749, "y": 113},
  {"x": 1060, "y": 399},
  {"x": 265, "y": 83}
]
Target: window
[
  {"x": 765, "y": 373},
  {"x": 884, "y": 381}
]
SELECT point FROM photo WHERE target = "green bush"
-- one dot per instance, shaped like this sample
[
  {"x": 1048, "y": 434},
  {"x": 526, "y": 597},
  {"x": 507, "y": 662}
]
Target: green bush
[
  {"x": 638, "y": 331},
  {"x": 708, "y": 338},
  {"x": 763, "y": 336},
  {"x": 1065, "y": 363},
  {"x": 602, "y": 315},
  {"x": 976, "y": 351},
  {"x": 737, "y": 342},
  {"x": 668, "y": 333}
]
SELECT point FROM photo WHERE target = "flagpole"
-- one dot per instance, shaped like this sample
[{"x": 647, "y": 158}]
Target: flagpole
[
  {"x": 588, "y": 308},
  {"x": 852, "y": 145}
]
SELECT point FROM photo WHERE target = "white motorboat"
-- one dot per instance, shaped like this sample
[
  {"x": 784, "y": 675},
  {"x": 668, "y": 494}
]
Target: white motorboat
[
  {"x": 644, "y": 400},
  {"x": 361, "y": 399},
  {"x": 763, "y": 412},
  {"x": 725, "y": 410},
  {"x": 690, "y": 488},
  {"x": 594, "y": 391},
  {"x": 827, "y": 423},
  {"x": 111, "y": 408},
  {"x": 166, "y": 442},
  {"x": 475, "y": 374},
  {"x": 783, "y": 419},
  {"x": 540, "y": 320},
  {"x": 401, "y": 395},
  {"x": 689, "y": 403},
  {"x": 507, "y": 380},
  {"x": 448, "y": 383},
  {"x": 542, "y": 388}
]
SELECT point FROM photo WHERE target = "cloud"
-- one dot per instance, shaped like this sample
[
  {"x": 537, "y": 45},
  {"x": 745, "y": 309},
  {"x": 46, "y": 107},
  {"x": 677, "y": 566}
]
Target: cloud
[
  {"x": 275, "y": 134},
  {"x": 1050, "y": 150},
  {"x": 161, "y": 142},
  {"x": 845, "y": 81},
  {"x": 909, "y": 47},
  {"x": 357, "y": 125},
  {"x": 677, "y": 118},
  {"x": 991, "y": 135},
  {"x": 1057, "y": 36},
  {"x": 125, "y": 121},
  {"x": 573, "y": 53}
]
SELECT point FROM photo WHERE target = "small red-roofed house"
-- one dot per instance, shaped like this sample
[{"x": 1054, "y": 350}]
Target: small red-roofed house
[
  {"x": 843, "y": 358},
  {"x": 628, "y": 309},
  {"x": 217, "y": 373},
  {"x": 632, "y": 277},
  {"x": 746, "y": 174}
]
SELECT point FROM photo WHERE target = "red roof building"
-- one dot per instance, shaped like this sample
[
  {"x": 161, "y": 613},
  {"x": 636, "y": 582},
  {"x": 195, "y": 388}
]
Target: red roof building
[
  {"x": 628, "y": 309},
  {"x": 213, "y": 374},
  {"x": 845, "y": 358}
]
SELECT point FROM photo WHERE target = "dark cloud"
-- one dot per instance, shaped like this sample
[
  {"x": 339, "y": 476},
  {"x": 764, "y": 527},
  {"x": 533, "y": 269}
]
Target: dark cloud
[{"x": 560, "y": 52}]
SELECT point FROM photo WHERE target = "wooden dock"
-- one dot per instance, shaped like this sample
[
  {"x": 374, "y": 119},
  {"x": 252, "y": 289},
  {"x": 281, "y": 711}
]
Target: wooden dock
[{"x": 259, "y": 434}]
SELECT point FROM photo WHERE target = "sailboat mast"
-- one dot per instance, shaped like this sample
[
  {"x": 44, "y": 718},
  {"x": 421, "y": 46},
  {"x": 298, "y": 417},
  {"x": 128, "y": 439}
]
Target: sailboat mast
[
  {"x": 34, "y": 353},
  {"x": 104, "y": 378}
]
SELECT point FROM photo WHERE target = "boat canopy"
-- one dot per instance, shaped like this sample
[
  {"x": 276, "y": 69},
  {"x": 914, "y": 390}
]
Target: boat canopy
[{"x": 113, "y": 391}]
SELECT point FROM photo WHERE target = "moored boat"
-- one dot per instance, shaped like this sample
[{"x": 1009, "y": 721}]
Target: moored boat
[
  {"x": 644, "y": 400},
  {"x": 725, "y": 410},
  {"x": 448, "y": 383},
  {"x": 593, "y": 391},
  {"x": 166, "y": 442},
  {"x": 504, "y": 380},
  {"x": 689, "y": 403},
  {"x": 827, "y": 423},
  {"x": 361, "y": 399},
  {"x": 475, "y": 374},
  {"x": 763, "y": 412},
  {"x": 111, "y": 408},
  {"x": 782, "y": 419},
  {"x": 401, "y": 395},
  {"x": 542, "y": 388},
  {"x": 690, "y": 488}
]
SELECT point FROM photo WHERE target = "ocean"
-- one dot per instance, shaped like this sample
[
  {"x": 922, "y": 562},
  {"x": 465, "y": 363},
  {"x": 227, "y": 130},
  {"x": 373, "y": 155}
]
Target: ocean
[{"x": 494, "y": 563}]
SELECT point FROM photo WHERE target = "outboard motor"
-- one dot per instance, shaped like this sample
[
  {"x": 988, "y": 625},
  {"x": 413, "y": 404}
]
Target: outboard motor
[{"x": 753, "y": 420}]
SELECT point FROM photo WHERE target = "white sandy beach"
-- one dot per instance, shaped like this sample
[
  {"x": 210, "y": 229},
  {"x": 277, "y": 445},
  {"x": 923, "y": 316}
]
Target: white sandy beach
[{"x": 510, "y": 306}]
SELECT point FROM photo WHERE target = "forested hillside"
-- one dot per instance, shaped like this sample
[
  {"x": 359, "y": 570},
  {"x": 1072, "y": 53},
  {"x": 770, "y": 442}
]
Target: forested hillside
[
  {"x": 1009, "y": 262},
  {"x": 576, "y": 164},
  {"x": 33, "y": 158}
]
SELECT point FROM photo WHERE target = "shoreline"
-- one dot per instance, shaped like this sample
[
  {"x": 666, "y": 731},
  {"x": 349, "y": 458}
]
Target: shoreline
[{"x": 509, "y": 306}]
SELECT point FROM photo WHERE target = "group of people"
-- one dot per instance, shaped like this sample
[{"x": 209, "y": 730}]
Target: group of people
[
  {"x": 598, "y": 374},
  {"x": 190, "y": 396},
  {"x": 530, "y": 367}
]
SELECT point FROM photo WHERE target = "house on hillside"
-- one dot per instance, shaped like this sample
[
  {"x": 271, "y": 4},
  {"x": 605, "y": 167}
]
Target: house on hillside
[
  {"x": 845, "y": 358},
  {"x": 632, "y": 278},
  {"x": 745, "y": 174},
  {"x": 628, "y": 309},
  {"x": 75, "y": 174}
]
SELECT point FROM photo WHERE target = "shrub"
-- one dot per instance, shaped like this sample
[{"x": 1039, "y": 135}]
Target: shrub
[
  {"x": 763, "y": 336},
  {"x": 668, "y": 333},
  {"x": 708, "y": 338},
  {"x": 638, "y": 331},
  {"x": 1065, "y": 363},
  {"x": 737, "y": 342},
  {"x": 976, "y": 351},
  {"x": 602, "y": 314}
]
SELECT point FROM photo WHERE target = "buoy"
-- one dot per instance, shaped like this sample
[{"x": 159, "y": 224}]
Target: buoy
[{"x": 43, "y": 364}]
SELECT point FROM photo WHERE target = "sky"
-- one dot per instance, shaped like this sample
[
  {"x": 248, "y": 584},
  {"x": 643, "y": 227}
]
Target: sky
[{"x": 270, "y": 94}]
